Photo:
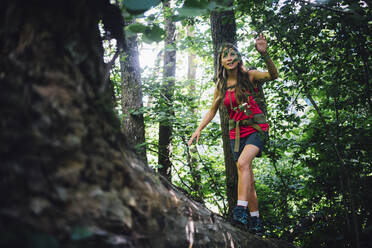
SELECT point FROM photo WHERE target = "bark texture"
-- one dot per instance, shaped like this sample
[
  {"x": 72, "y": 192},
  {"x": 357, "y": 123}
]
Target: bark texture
[
  {"x": 67, "y": 176},
  {"x": 224, "y": 30},
  {"x": 131, "y": 97},
  {"x": 169, "y": 73}
]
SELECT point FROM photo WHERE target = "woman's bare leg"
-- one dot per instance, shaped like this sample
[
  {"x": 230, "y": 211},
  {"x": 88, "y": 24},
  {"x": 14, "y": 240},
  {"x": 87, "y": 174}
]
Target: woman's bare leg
[{"x": 246, "y": 189}]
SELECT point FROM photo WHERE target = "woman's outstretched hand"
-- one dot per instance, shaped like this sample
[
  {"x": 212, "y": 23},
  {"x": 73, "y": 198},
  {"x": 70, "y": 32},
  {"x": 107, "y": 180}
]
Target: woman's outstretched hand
[
  {"x": 261, "y": 44},
  {"x": 195, "y": 134}
]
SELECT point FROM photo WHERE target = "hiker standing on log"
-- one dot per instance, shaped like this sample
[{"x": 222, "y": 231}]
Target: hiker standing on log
[{"x": 241, "y": 92}]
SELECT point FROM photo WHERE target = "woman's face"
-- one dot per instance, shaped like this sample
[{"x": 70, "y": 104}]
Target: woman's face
[{"x": 230, "y": 58}]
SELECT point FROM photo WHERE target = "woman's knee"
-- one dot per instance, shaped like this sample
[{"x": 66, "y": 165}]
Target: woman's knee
[
  {"x": 247, "y": 156},
  {"x": 245, "y": 162},
  {"x": 242, "y": 166}
]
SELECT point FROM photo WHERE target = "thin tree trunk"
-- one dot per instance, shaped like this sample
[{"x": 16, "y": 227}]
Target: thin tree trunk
[
  {"x": 224, "y": 30},
  {"x": 133, "y": 125},
  {"x": 169, "y": 72},
  {"x": 192, "y": 160},
  {"x": 155, "y": 74},
  {"x": 191, "y": 69}
]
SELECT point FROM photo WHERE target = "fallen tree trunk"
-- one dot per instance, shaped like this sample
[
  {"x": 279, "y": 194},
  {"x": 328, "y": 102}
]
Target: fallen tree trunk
[{"x": 68, "y": 179}]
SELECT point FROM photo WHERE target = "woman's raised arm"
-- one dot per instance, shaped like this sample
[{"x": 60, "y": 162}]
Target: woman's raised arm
[{"x": 272, "y": 73}]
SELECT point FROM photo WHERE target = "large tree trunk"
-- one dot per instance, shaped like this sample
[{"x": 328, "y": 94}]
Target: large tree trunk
[
  {"x": 131, "y": 97},
  {"x": 169, "y": 72},
  {"x": 67, "y": 177},
  {"x": 224, "y": 30}
]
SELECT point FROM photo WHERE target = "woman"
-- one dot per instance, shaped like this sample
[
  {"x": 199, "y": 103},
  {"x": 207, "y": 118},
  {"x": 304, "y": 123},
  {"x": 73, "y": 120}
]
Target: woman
[{"x": 238, "y": 89}]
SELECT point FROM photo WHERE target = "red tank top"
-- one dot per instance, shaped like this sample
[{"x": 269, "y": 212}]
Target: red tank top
[{"x": 237, "y": 115}]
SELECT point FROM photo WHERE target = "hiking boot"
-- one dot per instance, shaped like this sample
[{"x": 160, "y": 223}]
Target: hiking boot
[
  {"x": 256, "y": 226},
  {"x": 240, "y": 216}
]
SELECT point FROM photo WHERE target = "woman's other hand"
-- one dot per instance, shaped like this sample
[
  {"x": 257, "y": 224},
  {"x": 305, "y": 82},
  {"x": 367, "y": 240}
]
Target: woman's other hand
[
  {"x": 261, "y": 44},
  {"x": 196, "y": 135},
  {"x": 242, "y": 68}
]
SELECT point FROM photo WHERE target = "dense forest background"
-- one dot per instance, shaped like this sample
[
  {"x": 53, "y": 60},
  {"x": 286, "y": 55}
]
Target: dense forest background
[
  {"x": 69, "y": 73},
  {"x": 314, "y": 180}
]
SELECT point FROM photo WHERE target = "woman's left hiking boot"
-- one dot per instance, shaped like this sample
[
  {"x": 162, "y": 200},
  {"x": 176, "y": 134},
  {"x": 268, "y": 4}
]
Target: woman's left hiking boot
[{"x": 240, "y": 217}]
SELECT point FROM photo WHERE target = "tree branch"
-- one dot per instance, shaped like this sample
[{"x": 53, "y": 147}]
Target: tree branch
[
  {"x": 321, "y": 6},
  {"x": 211, "y": 176}
]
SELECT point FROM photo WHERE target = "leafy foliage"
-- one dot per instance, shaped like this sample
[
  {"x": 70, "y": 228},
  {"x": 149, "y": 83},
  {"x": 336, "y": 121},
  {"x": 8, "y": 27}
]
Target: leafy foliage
[
  {"x": 315, "y": 178},
  {"x": 138, "y": 7},
  {"x": 324, "y": 55}
]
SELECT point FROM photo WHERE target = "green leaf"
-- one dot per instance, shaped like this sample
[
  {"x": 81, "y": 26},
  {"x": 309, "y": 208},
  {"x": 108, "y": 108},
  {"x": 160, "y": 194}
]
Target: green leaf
[
  {"x": 197, "y": 4},
  {"x": 193, "y": 8},
  {"x": 225, "y": 52},
  {"x": 151, "y": 17},
  {"x": 189, "y": 12},
  {"x": 155, "y": 33},
  {"x": 177, "y": 18},
  {"x": 136, "y": 27},
  {"x": 212, "y": 5},
  {"x": 251, "y": 47},
  {"x": 139, "y": 6}
]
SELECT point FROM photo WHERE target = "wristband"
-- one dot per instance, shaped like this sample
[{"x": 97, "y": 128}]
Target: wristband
[{"x": 265, "y": 56}]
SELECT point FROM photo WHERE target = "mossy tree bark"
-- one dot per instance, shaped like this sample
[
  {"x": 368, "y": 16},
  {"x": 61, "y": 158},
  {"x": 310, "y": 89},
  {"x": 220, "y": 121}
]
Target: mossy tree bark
[{"x": 67, "y": 176}]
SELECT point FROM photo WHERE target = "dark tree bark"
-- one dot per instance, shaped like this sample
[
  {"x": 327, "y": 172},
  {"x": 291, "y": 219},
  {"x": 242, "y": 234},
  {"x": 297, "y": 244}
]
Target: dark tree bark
[
  {"x": 224, "y": 30},
  {"x": 169, "y": 72},
  {"x": 67, "y": 176},
  {"x": 131, "y": 97}
]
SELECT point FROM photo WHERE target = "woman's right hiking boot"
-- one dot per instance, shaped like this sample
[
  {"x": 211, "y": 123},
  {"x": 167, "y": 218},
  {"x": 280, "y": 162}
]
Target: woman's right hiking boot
[{"x": 255, "y": 226}]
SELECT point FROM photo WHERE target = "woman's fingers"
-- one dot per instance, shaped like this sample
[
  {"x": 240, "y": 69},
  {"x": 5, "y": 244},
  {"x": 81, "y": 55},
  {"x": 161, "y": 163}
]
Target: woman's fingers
[
  {"x": 242, "y": 67},
  {"x": 190, "y": 140},
  {"x": 261, "y": 37},
  {"x": 194, "y": 135}
]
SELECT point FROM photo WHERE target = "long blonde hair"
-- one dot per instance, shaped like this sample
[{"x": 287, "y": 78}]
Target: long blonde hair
[{"x": 242, "y": 85}]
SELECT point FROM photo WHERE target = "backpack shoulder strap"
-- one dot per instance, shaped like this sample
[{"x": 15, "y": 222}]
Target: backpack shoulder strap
[
  {"x": 260, "y": 99},
  {"x": 258, "y": 96}
]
